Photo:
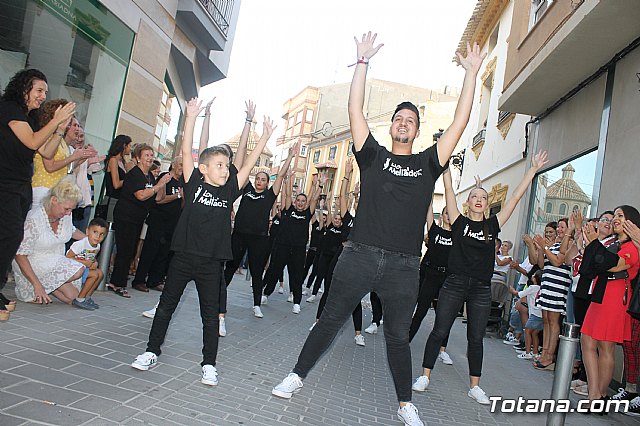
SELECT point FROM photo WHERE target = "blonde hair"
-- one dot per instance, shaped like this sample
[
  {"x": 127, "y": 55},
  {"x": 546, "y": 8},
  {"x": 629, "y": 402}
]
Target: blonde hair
[{"x": 65, "y": 190}]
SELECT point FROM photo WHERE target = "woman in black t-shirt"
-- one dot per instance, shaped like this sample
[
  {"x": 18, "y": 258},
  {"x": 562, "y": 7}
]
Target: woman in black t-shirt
[
  {"x": 470, "y": 269},
  {"x": 251, "y": 230},
  {"x": 115, "y": 171},
  {"x": 311, "y": 261},
  {"x": 139, "y": 190},
  {"x": 20, "y": 138},
  {"x": 327, "y": 248}
]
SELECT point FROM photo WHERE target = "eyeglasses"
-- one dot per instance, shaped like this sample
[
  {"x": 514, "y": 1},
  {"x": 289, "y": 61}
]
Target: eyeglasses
[{"x": 604, "y": 220}]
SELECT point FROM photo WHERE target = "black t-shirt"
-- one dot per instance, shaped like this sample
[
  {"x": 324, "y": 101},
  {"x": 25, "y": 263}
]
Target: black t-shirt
[
  {"x": 165, "y": 216},
  {"x": 253, "y": 214},
  {"x": 294, "y": 229},
  {"x": 16, "y": 160},
  {"x": 129, "y": 208},
  {"x": 438, "y": 246},
  {"x": 332, "y": 239},
  {"x": 204, "y": 227},
  {"x": 348, "y": 221},
  {"x": 274, "y": 230},
  {"x": 111, "y": 192},
  {"x": 395, "y": 193},
  {"x": 474, "y": 249},
  {"x": 316, "y": 235}
]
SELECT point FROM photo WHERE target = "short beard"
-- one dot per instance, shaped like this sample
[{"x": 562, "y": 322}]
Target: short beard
[{"x": 402, "y": 140}]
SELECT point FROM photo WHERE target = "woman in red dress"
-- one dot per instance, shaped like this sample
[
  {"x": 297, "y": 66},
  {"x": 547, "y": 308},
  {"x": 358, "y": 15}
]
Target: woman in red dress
[{"x": 607, "y": 322}]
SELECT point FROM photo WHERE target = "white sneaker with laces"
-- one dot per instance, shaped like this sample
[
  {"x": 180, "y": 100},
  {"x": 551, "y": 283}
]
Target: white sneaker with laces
[
  {"x": 290, "y": 298},
  {"x": 634, "y": 407},
  {"x": 222, "y": 328},
  {"x": 576, "y": 383},
  {"x": 409, "y": 415},
  {"x": 525, "y": 355},
  {"x": 296, "y": 309},
  {"x": 581, "y": 390},
  {"x": 372, "y": 329},
  {"x": 445, "y": 358},
  {"x": 151, "y": 313},
  {"x": 290, "y": 385},
  {"x": 209, "y": 375},
  {"x": 264, "y": 300},
  {"x": 311, "y": 298},
  {"x": 421, "y": 384},
  {"x": 359, "y": 340},
  {"x": 257, "y": 312},
  {"x": 508, "y": 338},
  {"x": 145, "y": 361},
  {"x": 313, "y": 325},
  {"x": 478, "y": 394},
  {"x": 280, "y": 290}
]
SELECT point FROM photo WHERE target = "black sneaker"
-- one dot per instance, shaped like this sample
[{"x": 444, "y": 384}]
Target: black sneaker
[
  {"x": 519, "y": 347},
  {"x": 634, "y": 407},
  {"x": 624, "y": 395}
]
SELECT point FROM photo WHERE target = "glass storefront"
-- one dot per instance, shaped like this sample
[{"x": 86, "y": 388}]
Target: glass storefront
[{"x": 81, "y": 47}]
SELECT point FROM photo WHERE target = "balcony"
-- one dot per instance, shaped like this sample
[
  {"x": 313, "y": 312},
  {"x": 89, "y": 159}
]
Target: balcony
[
  {"x": 479, "y": 138},
  {"x": 583, "y": 42},
  {"x": 220, "y": 11},
  {"x": 206, "y": 22}
]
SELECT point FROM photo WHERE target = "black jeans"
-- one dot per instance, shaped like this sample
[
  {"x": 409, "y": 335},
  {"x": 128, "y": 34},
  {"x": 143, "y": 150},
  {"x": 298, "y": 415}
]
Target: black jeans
[
  {"x": 360, "y": 270},
  {"x": 456, "y": 290},
  {"x": 207, "y": 274},
  {"x": 324, "y": 265},
  {"x": 154, "y": 257},
  {"x": 429, "y": 289},
  {"x": 258, "y": 248},
  {"x": 127, "y": 236},
  {"x": 356, "y": 315},
  {"x": 311, "y": 260},
  {"x": 293, "y": 258},
  {"x": 14, "y": 207}
]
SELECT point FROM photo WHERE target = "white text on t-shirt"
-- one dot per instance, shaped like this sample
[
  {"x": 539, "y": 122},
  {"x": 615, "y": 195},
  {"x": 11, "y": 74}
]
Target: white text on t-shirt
[{"x": 398, "y": 170}]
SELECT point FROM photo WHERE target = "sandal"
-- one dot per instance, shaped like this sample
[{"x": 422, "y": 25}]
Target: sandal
[
  {"x": 10, "y": 305},
  {"x": 120, "y": 291},
  {"x": 4, "y": 315},
  {"x": 540, "y": 366}
]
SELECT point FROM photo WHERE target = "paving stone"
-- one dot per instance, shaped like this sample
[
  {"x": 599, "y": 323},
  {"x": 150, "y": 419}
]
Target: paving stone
[
  {"x": 46, "y": 375},
  {"x": 50, "y": 414},
  {"x": 6, "y": 420},
  {"x": 45, "y": 392}
]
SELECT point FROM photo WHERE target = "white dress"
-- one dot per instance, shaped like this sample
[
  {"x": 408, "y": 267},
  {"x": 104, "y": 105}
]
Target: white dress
[{"x": 45, "y": 250}]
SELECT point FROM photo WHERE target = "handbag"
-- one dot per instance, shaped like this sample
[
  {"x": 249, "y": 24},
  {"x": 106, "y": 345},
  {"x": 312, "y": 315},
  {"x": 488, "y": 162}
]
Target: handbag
[
  {"x": 102, "y": 210},
  {"x": 633, "y": 307}
]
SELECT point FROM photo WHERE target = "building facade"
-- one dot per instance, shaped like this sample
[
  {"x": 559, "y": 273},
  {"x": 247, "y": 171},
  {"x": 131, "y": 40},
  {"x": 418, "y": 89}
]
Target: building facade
[
  {"x": 263, "y": 164},
  {"x": 129, "y": 65}
]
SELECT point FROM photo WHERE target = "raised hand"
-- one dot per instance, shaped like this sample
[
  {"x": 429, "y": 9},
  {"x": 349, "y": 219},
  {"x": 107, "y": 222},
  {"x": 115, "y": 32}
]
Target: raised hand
[
  {"x": 539, "y": 160},
  {"x": 194, "y": 107},
  {"x": 356, "y": 188},
  {"x": 632, "y": 231},
  {"x": 64, "y": 113},
  {"x": 539, "y": 241},
  {"x": 473, "y": 60},
  {"x": 478, "y": 181},
  {"x": 577, "y": 218},
  {"x": 268, "y": 127},
  {"x": 295, "y": 149},
  {"x": 365, "y": 47},
  {"x": 251, "y": 109},
  {"x": 322, "y": 178},
  {"x": 348, "y": 167},
  {"x": 589, "y": 232},
  {"x": 207, "y": 108},
  {"x": 164, "y": 179},
  {"x": 527, "y": 239}
]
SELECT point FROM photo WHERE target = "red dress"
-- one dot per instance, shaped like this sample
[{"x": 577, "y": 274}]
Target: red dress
[{"x": 609, "y": 320}]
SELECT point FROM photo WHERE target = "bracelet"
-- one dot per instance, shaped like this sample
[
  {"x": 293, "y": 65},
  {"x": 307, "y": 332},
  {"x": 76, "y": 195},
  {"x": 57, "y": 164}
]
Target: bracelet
[
  {"x": 360, "y": 60},
  {"x": 345, "y": 178},
  {"x": 248, "y": 121},
  {"x": 60, "y": 134}
]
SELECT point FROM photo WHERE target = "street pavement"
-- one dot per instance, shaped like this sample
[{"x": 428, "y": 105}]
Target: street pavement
[{"x": 65, "y": 366}]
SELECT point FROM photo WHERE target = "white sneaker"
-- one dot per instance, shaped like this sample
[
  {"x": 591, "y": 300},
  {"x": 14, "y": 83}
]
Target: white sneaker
[
  {"x": 145, "y": 361},
  {"x": 582, "y": 390},
  {"x": 445, "y": 358},
  {"x": 290, "y": 298},
  {"x": 576, "y": 383},
  {"x": 525, "y": 355},
  {"x": 209, "y": 375},
  {"x": 222, "y": 328},
  {"x": 296, "y": 309},
  {"x": 305, "y": 291},
  {"x": 313, "y": 325},
  {"x": 359, "y": 339},
  {"x": 409, "y": 415},
  {"x": 264, "y": 300},
  {"x": 257, "y": 312},
  {"x": 372, "y": 329},
  {"x": 311, "y": 298},
  {"x": 151, "y": 313},
  {"x": 478, "y": 394},
  {"x": 634, "y": 407},
  {"x": 321, "y": 289},
  {"x": 280, "y": 290},
  {"x": 290, "y": 385},
  {"x": 421, "y": 384},
  {"x": 508, "y": 338}
]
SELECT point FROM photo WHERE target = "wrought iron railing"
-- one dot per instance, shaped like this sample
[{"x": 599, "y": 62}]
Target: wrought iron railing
[
  {"x": 220, "y": 11},
  {"x": 479, "y": 137},
  {"x": 502, "y": 115}
]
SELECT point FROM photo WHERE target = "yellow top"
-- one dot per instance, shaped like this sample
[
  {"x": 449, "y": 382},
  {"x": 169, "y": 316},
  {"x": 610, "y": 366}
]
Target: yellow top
[{"x": 40, "y": 175}]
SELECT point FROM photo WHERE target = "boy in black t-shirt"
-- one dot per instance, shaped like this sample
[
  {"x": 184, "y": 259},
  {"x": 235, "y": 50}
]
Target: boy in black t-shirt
[
  {"x": 383, "y": 250},
  {"x": 201, "y": 242}
]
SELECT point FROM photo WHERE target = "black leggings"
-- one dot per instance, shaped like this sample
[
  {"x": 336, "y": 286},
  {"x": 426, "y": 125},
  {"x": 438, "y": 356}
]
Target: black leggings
[
  {"x": 258, "y": 248},
  {"x": 429, "y": 289},
  {"x": 356, "y": 315},
  {"x": 127, "y": 236},
  {"x": 326, "y": 263},
  {"x": 580, "y": 307},
  {"x": 13, "y": 210},
  {"x": 293, "y": 258},
  {"x": 311, "y": 260}
]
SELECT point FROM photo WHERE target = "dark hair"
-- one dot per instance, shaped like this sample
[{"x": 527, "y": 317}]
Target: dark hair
[
  {"x": 303, "y": 194},
  {"x": 206, "y": 155},
  {"x": 20, "y": 85},
  {"x": 630, "y": 213},
  {"x": 605, "y": 212},
  {"x": 49, "y": 109},
  {"x": 264, "y": 173},
  {"x": 98, "y": 221},
  {"x": 117, "y": 147},
  {"x": 411, "y": 107},
  {"x": 565, "y": 220},
  {"x": 537, "y": 277},
  {"x": 553, "y": 225}
]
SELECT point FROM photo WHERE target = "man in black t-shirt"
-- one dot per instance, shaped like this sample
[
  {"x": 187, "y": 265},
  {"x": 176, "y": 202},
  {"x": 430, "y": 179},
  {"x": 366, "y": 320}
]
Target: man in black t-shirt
[{"x": 383, "y": 250}]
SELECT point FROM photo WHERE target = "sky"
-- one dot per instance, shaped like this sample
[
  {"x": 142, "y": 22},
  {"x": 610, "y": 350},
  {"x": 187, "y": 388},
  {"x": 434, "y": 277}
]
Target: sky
[{"x": 282, "y": 46}]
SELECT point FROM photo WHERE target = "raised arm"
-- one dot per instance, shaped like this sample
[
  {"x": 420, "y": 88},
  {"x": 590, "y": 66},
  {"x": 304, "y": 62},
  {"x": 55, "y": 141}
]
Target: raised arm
[
  {"x": 267, "y": 130},
  {"x": 449, "y": 139},
  {"x": 539, "y": 160},
  {"x": 194, "y": 108},
  {"x": 359, "y": 127},
  {"x": 36, "y": 140},
  {"x": 204, "y": 134},
  {"x": 322, "y": 179},
  {"x": 241, "y": 153},
  {"x": 450, "y": 196},
  {"x": 531, "y": 249},
  {"x": 277, "y": 185},
  {"x": 344, "y": 186},
  {"x": 285, "y": 197},
  {"x": 430, "y": 216}
]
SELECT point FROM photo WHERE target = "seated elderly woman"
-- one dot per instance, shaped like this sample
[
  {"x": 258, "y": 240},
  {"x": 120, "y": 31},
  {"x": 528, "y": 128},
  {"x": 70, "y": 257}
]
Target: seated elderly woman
[{"x": 41, "y": 267}]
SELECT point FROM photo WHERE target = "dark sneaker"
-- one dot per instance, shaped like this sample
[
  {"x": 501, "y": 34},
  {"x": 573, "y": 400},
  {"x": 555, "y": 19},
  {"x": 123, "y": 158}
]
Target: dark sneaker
[{"x": 82, "y": 305}]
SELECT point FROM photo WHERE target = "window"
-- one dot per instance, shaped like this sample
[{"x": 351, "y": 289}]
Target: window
[
  {"x": 493, "y": 40},
  {"x": 332, "y": 152},
  {"x": 563, "y": 209},
  {"x": 316, "y": 156},
  {"x": 549, "y": 208},
  {"x": 298, "y": 117},
  {"x": 309, "y": 116},
  {"x": 576, "y": 208},
  {"x": 258, "y": 162},
  {"x": 303, "y": 150},
  {"x": 538, "y": 8}
]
